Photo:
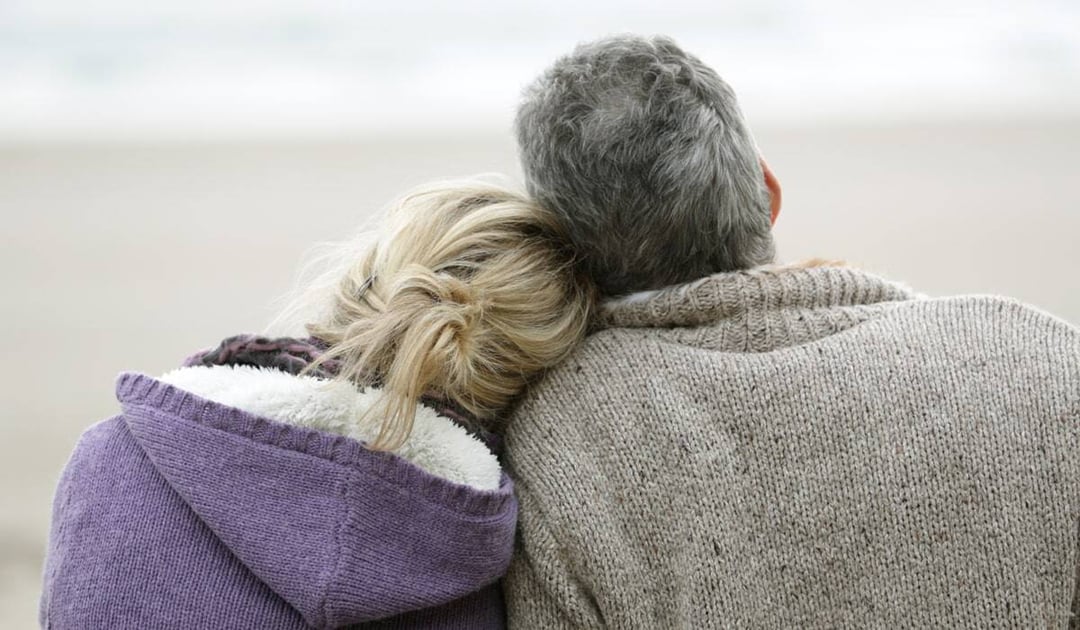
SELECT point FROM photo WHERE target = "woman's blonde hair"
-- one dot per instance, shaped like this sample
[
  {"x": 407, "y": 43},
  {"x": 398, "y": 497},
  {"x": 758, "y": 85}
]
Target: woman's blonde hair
[{"x": 466, "y": 293}]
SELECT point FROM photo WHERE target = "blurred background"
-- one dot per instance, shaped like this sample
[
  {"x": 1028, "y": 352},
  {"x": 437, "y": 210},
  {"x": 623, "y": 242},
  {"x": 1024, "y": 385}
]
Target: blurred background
[{"x": 164, "y": 167}]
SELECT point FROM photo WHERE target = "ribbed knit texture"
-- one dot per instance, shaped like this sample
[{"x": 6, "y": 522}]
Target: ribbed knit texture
[
  {"x": 185, "y": 513},
  {"x": 802, "y": 448}
]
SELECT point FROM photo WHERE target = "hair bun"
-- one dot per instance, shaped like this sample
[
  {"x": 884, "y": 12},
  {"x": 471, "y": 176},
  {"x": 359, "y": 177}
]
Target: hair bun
[
  {"x": 463, "y": 298},
  {"x": 436, "y": 302}
]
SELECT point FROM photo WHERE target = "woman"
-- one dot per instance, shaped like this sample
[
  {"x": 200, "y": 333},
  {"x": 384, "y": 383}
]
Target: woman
[{"x": 336, "y": 480}]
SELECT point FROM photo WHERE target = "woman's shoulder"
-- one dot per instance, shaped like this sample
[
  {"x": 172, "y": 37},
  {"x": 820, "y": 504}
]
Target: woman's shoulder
[
  {"x": 100, "y": 445},
  {"x": 254, "y": 447}
]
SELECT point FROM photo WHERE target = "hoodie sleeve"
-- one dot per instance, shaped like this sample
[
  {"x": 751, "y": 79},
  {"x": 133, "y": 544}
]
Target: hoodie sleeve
[{"x": 68, "y": 509}]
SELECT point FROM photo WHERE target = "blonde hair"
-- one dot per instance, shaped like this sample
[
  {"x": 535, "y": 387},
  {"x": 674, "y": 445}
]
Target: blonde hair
[{"x": 466, "y": 293}]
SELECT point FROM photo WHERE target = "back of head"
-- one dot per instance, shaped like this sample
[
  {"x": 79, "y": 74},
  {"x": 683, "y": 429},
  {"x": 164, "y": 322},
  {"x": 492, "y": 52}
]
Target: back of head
[
  {"x": 642, "y": 152},
  {"x": 467, "y": 294}
]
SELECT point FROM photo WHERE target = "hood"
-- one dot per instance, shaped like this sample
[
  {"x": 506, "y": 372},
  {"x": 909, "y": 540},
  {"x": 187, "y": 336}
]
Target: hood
[{"x": 274, "y": 465}]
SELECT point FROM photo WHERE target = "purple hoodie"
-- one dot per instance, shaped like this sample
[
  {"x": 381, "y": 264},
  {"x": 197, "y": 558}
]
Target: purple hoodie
[{"x": 186, "y": 513}]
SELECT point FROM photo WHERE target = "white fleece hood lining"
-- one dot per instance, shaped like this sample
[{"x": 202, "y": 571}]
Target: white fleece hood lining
[{"x": 437, "y": 444}]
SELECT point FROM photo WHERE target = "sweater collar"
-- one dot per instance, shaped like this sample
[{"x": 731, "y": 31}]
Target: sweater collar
[{"x": 752, "y": 294}]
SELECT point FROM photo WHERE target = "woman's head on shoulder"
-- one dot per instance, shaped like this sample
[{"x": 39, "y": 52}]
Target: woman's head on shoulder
[{"x": 468, "y": 291}]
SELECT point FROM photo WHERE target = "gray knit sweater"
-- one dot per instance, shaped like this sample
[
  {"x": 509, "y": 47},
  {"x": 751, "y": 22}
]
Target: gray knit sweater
[{"x": 802, "y": 448}]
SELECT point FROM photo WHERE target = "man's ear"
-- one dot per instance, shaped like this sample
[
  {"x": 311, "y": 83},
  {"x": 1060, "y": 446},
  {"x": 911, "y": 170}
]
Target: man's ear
[{"x": 775, "y": 194}]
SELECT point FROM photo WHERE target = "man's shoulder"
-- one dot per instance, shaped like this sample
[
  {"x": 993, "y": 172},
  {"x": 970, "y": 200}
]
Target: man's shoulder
[
  {"x": 974, "y": 313},
  {"x": 607, "y": 353},
  {"x": 987, "y": 314},
  {"x": 616, "y": 368}
]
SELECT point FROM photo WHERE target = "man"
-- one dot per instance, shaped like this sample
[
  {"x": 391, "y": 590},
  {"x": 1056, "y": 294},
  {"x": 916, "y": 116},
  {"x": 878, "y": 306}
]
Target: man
[{"x": 749, "y": 445}]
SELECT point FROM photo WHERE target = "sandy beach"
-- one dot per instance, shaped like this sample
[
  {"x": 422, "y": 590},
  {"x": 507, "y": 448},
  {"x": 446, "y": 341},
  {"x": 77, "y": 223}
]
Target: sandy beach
[{"x": 130, "y": 256}]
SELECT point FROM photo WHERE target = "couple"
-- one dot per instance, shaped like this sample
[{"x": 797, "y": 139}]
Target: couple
[{"x": 601, "y": 406}]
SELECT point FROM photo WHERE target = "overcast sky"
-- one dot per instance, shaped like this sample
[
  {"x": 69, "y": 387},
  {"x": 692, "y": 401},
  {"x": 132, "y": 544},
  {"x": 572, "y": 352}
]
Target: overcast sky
[{"x": 127, "y": 67}]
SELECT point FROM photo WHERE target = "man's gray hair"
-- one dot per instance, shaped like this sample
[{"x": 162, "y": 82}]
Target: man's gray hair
[{"x": 641, "y": 150}]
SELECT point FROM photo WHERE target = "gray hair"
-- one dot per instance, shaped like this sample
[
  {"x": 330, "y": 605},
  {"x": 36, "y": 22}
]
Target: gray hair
[{"x": 642, "y": 152}]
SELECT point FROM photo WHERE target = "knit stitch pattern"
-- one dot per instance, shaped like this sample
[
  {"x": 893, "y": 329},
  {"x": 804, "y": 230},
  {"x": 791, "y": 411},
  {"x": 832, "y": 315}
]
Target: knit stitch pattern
[
  {"x": 802, "y": 448},
  {"x": 188, "y": 514}
]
